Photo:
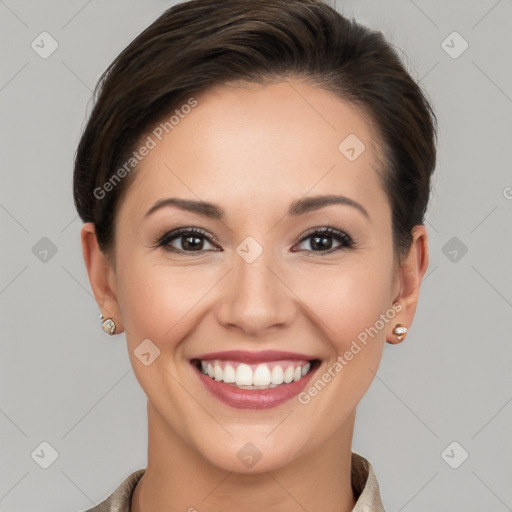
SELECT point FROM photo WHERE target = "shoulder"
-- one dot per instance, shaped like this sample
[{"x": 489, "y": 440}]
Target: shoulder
[{"x": 120, "y": 499}]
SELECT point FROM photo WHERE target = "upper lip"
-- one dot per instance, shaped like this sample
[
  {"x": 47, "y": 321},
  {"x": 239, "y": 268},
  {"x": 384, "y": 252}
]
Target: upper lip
[{"x": 263, "y": 356}]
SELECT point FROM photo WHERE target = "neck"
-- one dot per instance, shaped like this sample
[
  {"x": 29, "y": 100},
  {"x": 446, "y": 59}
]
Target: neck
[{"x": 178, "y": 478}]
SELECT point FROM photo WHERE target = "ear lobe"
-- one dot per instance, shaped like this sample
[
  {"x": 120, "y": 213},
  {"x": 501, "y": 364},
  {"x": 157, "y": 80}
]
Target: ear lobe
[
  {"x": 410, "y": 272},
  {"x": 101, "y": 275}
]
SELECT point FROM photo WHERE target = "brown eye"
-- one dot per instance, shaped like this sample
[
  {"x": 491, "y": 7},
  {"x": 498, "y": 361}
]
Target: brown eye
[
  {"x": 321, "y": 240},
  {"x": 188, "y": 240}
]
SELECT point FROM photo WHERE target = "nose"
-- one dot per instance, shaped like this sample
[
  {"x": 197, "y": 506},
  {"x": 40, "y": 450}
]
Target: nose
[{"x": 256, "y": 298}]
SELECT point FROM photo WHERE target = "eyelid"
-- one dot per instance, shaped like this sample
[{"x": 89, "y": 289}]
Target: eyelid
[
  {"x": 324, "y": 229},
  {"x": 347, "y": 241},
  {"x": 174, "y": 233}
]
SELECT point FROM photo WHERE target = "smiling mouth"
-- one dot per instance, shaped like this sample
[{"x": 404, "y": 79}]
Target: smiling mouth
[{"x": 259, "y": 376}]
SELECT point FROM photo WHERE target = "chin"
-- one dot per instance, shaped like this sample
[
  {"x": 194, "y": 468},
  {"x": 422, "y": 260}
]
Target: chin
[{"x": 255, "y": 456}]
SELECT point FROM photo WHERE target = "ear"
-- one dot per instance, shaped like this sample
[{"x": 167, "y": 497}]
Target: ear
[
  {"x": 101, "y": 275},
  {"x": 410, "y": 274}
]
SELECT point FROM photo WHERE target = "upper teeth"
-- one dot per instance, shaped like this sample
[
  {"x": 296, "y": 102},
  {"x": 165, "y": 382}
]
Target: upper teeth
[{"x": 264, "y": 374}]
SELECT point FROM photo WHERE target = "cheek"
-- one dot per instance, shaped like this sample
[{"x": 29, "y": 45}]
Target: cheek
[
  {"x": 346, "y": 299},
  {"x": 348, "y": 302},
  {"x": 156, "y": 303},
  {"x": 157, "y": 300}
]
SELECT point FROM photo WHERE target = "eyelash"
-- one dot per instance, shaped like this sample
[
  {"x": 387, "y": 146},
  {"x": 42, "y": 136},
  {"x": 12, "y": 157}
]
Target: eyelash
[{"x": 340, "y": 236}]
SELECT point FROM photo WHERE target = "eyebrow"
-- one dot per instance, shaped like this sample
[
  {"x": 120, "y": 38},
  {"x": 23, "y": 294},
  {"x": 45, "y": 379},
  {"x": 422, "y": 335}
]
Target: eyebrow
[{"x": 299, "y": 207}]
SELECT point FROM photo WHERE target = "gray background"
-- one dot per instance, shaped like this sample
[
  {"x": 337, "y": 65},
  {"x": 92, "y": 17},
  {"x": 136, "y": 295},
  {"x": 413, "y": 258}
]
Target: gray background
[{"x": 64, "y": 382}]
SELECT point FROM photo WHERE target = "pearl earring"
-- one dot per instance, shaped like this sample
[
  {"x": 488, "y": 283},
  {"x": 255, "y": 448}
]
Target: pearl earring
[
  {"x": 108, "y": 325},
  {"x": 399, "y": 331}
]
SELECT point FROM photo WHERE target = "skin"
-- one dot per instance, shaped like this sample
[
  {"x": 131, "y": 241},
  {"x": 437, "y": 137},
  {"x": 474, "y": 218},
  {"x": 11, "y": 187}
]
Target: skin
[{"x": 253, "y": 150}]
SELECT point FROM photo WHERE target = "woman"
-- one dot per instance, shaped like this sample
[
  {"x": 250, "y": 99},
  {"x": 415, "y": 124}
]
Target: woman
[{"x": 253, "y": 181}]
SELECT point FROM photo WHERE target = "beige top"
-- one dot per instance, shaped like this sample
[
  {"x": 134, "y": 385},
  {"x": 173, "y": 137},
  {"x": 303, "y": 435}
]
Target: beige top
[{"x": 364, "y": 486}]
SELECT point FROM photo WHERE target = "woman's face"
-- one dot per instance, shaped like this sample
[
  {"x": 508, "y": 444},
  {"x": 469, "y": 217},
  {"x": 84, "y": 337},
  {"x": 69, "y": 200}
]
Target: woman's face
[{"x": 259, "y": 278}]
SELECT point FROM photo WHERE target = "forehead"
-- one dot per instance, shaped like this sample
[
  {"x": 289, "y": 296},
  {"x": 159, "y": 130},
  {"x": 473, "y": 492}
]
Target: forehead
[{"x": 259, "y": 143}]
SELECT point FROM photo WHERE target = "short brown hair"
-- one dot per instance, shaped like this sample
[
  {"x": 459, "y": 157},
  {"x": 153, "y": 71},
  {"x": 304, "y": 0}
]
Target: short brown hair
[{"x": 201, "y": 43}]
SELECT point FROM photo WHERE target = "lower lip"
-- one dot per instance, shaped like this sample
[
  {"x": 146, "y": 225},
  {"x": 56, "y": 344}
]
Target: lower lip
[{"x": 254, "y": 398}]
